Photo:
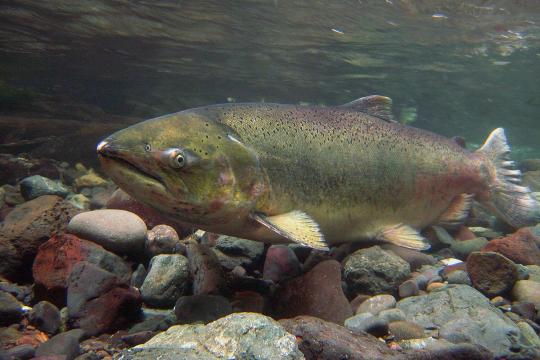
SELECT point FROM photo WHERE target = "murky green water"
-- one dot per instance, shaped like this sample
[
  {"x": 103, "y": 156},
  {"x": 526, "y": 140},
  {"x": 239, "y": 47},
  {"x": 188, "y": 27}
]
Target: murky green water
[{"x": 72, "y": 72}]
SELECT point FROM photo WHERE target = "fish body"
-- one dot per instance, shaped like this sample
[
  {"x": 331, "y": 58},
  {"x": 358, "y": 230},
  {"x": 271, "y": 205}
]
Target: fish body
[{"x": 314, "y": 175}]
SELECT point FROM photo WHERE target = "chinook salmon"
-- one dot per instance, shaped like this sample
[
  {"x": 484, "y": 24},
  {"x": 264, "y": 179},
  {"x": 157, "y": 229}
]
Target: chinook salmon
[{"x": 312, "y": 175}]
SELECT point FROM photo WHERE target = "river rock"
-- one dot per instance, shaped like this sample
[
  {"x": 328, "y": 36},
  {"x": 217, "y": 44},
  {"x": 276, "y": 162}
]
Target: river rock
[
  {"x": 162, "y": 239},
  {"x": 10, "y": 309},
  {"x": 20, "y": 352},
  {"x": 374, "y": 271},
  {"x": 534, "y": 273},
  {"x": 37, "y": 185},
  {"x": 392, "y": 315},
  {"x": 66, "y": 344},
  {"x": 404, "y": 330},
  {"x": 98, "y": 301},
  {"x": 367, "y": 322},
  {"x": 462, "y": 249},
  {"x": 491, "y": 273},
  {"x": 80, "y": 201},
  {"x": 280, "y": 263},
  {"x": 316, "y": 293},
  {"x": 205, "y": 269},
  {"x": 15, "y": 168},
  {"x": 233, "y": 251},
  {"x": 409, "y": 288},
  {"x": 416, "y": 259},
  {"x": 519, "y": 247},
  {"x": 319, "y": 339},
  {"x": 56, "y": 258},
  {"x": 464, "y": 315},
  {"x": 91, "y": 179},
  {"x": 28, "y": 226},
  {"x": 237, "y": 336},
  {"x": 116, "y": 230},
  {"x": 459, "y": 277},
  {"x": 167, "y": 279},
  {"x": 527, "y": 291},
  {"x": 376, "y": 304},
  {"x": 201, "y": 308},
  {"x": 46, "y": 317}
]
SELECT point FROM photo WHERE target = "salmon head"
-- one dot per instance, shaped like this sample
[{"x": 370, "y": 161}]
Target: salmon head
[{"x": 187, "y": 165}]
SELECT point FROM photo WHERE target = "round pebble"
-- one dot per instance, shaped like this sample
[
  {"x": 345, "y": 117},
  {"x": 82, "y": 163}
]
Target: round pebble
[
  {"x": 405, "y": 330},
  {"x": 116, "y": 230},
  {"x": 408, "y": 288},
  {"x": 367, "y": 322},
  {"x": 376, "y": 304},
  {"x": 162, "y": 239}
]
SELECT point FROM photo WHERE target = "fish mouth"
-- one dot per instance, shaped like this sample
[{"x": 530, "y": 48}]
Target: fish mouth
[{"x": 107, "y": 154}]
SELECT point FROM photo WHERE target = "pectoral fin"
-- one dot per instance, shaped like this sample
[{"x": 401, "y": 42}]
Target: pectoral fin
[
  {"x": 404, "y": 236},
  {"x": 296, "y": 226}
]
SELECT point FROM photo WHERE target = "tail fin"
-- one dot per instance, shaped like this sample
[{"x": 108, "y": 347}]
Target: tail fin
[{"x": 511, "y": 201}]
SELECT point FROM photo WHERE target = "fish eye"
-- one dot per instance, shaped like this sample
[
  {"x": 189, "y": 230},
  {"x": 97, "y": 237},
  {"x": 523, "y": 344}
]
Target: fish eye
[
  {"x": 147, "y": 147},
  {"x": 180, "y": 160}
]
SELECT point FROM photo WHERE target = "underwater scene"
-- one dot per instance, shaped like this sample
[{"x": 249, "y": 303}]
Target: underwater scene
[{"x": 270, "y": 179}]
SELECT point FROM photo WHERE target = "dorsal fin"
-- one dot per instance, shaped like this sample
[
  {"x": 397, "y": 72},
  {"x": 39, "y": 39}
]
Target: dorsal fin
[{"x": 374, "y": 105}]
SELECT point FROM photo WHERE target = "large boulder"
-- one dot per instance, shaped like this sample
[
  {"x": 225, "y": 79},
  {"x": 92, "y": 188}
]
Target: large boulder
[
  {"x": 374, "y": 271},
  {"x": 28, "y": 226},
  {"x": 56, "y": 258},
  {"x": 463, "y": 314},
  {"x": 316, "y": 293},
  {"x": 98, "y": 301},
  {"x": 237, "y": 336},
  {"x": 520, "y": 247}
]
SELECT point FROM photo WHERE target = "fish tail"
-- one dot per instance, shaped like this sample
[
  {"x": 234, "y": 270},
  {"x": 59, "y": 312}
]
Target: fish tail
[{"x": 510, "y": 200}]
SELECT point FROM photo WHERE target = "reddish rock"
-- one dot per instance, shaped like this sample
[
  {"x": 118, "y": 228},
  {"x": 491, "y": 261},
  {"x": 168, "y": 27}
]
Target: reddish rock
[
  {"x": 27, "y": 227},
  {"x": 280, "y": 263},
  {"x": 519, "y": 247},
  {"x": 318, "y": 339},
  {"x": 316, "y": 293},
  {"x": 56, "y": 258},
  {"x": 123, "y": 201},
  {"x": 491, "y": 273},
  {"x": 205, "y": 269},
  {"x": 98, "y": 301},
  {"x": 463, "y": 233},
  {"x": 451, "y": 268}
]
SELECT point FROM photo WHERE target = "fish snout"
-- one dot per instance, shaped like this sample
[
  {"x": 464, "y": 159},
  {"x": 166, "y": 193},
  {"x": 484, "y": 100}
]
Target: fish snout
[{"x": 105, "y": 148}]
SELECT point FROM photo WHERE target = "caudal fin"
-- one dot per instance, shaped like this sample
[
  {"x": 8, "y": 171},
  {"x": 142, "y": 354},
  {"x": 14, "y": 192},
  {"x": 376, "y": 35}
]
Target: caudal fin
[{"x": 511, "y": 201}]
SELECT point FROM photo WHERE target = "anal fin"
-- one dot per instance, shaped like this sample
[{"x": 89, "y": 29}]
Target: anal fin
[
  {"x": 404, "y": 236},
  {"x": 297, "y": 226},
  {"x": 457, "y": 211}
]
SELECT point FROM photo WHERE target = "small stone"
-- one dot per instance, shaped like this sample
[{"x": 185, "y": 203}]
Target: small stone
[
  {"x": 115, "y": 230},
  {"x": 46, "y": 317},
  {"x": 462, "y": 249},
  {"x": 529, "y": 334},
  {"x": 66, "y": 343},
  {"x": 234, "y": 246},
  {"x": 498, "y": 301},
  {"x": 21, "y": 352},
  {"x": 416, "y": 259},
  {"x": 392, "y": 315},
  {"x": 376, "y": 304},
  {"x": 89, "y": 180},
  {"x": 12, "y": 195},
  {"x": 238, "y": 271},
  {"x": 434, "y": 286},
  {"x": 281, "y": 262},
  {"x": 10, "y": 309},
  {"x": 523, "y": 272},
  {"x": 527, "y": 291},
  {"x": 162, "y": 239},
  {"x": 458, "y": 277},
  {"x": 485, "y": 232},
  {"x": 421, "y": 281},
  {"x": 491, "y": 273},
  {"x": 464, "y": 233},
  {"x": 205, "y": 269},
  {"x": 201, "y": 308},
  {"x": 248, "y": 301},
  {"x": 37, "y": 185},
  {"x": 404, "y": 330},
  {"x": 79, "y": 201},
  {"x": 138, "y": 276},
  {"x": 367, "y": 322},
  {"x": 316, "y": 293},
  {"x": 167, "y": 279},
  {"x": 408, "y": 288},
  {"x": 374, "y": 271},
  {"x": 525, "y": 309},
  {"x": 359, "y": 299},
  {"x": 519, "y": 247}
]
